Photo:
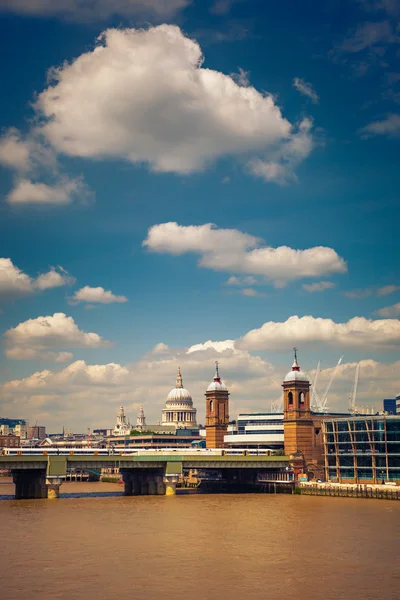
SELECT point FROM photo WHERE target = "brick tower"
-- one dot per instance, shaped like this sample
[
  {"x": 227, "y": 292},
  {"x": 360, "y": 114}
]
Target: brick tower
[
  {"x": 297, "y": 419},
  {"x": 217, "y": 412}
]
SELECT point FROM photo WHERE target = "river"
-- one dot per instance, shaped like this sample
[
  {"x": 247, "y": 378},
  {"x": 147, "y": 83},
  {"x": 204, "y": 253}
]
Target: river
[{"x": 95, "y": 543}]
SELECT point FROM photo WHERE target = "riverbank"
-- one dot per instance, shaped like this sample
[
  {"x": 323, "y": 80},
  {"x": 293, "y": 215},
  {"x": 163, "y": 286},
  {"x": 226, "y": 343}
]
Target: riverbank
[{"x": 351, "y": 490}]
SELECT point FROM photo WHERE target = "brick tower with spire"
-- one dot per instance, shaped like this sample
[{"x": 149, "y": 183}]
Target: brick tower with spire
[
  {"x": 217, "y": 411},
  {"x": 297, "y": 421}
]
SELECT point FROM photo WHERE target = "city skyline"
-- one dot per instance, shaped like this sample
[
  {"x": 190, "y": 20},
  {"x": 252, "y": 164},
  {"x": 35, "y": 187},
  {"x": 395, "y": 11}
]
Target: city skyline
[{"x": 187, "y": 182}]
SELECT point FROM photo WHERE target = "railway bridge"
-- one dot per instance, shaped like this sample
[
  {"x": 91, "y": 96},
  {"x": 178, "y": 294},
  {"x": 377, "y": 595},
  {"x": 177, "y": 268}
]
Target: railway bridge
[{"x": 40, "y": 476}]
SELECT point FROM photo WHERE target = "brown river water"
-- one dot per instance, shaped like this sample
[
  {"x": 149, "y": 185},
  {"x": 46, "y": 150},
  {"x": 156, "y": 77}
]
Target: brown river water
[{"x": 94, "y": 543}]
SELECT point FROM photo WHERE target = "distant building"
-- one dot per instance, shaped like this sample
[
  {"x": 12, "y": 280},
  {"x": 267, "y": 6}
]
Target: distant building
[
  {"x": 9, "y": 441},
  {"x": 36, "y": 432},
  {"x": 4, "y": 429},
  {"x": 256, "y": 430},
  {"x": 389, "y": 406},
  {"x": 12, "y": 422},
  {"x": 21, "y": 431}
]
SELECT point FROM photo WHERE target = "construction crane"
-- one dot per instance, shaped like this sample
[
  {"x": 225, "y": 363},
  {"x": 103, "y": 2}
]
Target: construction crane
[
  {"x": 324, "y": 398},
  {"x": 33, "y": 430},
  {"x": 352, "y": 399},
  {"x": 314, "y": 393}
]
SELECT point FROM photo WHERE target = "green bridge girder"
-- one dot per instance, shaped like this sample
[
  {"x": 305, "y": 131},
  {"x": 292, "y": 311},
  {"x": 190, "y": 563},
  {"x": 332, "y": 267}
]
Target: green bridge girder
[{"x": 57, "y": 465}]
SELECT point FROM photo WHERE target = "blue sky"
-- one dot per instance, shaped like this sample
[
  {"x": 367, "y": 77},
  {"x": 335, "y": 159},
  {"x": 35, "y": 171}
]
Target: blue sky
[{"x": 287, "y": 130}]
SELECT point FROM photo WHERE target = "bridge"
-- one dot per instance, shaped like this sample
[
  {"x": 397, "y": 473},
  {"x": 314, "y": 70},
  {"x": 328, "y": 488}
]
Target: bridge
[{"x": 40, "y": 476}]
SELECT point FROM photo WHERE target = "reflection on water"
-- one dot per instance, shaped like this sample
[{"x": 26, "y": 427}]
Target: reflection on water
[{"x": 197, "y": 547}]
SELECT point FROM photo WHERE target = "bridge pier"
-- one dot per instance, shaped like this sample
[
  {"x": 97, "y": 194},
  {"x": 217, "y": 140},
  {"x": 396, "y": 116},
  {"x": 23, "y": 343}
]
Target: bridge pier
[
  {"x": 53, "y": 487},
  {"x": 30, "y": 484}
]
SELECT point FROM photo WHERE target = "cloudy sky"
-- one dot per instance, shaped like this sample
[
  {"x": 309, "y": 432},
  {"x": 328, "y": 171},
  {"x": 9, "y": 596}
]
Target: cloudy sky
[{"x": 183, "y": 181}]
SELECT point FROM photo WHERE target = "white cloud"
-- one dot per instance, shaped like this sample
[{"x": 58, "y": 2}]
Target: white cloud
[
  {"x": 387, "y": 289},
  {"x": 306, "y": 89},
  {"x": 389, "y": 126},
  {"x": 53, "y": 279},
  {"x": 358, "y": 294},
  {"x": 234, "y": 251},
  {"x": 64, "y": 192},
  {"x": 32, "y": 160},
  {"x": 365, "y": 36},
  {"x": 389, "y": 311},
  {"x": 14, "y": 282},
  {"x": 142, "y": 96},
  {"x": 364, "y": 293},
  {"x": 96, "y": 294},
  {"x": 279, "y": 165},
  {"x": 318, "y": 286},
  {"x": 160, "y": 348},
  {"x": 251, "y": 292},
  {"x": 14, "y": 152},
  {"x": 222, "y": 7},
  {"x": 217, "y": 346},
  {"x": 38, "y": 338},
  {"x": 94, "y": 9},
  {"x": 357, "y": 333},
  {"x": 241, "y": 281}
]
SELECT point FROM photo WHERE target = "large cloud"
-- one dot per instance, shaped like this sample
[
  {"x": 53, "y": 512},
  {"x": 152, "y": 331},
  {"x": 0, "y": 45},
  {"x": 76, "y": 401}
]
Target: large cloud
[
  {"x": 94, "y": 9},
  {"x": 142, "y": 95},
  {"x": 358, "y": 332},
  {"x": 14, "y": 282},
  {"x": 233, "y": 251},
  {"x": 38, "y": 338}
]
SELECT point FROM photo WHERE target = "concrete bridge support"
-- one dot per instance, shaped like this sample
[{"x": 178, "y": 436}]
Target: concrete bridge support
[
  {"x": 53, "y": 487},
  {"x": 142, "y": 483},
  {"x": 30, "y": 484}
]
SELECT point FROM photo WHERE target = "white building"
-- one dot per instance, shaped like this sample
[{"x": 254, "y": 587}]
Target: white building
[
  {"x": 256, "y": 430},
  {"x": 21, "y": 431},
  {"x": 122, "y": 426},
  {"x": 179, "y": 409}
]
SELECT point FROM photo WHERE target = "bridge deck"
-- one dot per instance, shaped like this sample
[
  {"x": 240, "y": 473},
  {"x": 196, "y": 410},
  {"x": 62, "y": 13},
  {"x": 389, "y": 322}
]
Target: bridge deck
[{"x": 140, "y": 461}]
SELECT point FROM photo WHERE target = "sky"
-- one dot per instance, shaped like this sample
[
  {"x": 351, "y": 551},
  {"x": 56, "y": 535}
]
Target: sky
[{"x": 187, "y": 181}]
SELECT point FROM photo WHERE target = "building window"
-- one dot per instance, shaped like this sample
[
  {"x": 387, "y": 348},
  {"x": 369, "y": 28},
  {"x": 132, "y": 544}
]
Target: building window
[
  {"x": 211, "y": 405},
  {"x": 290, "y": 398},
  {"x": 301, "y": 397}
]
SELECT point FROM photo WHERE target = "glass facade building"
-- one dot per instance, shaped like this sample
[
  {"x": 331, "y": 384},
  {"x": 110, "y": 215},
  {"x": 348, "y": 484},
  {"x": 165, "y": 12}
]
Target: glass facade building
[{"x": 362, "y": 449}]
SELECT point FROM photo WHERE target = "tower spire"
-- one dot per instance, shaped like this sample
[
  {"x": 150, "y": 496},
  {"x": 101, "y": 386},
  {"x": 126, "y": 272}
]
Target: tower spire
[
  {"x": 217, "y": 377},
  {"x": 295, "y": 365},
  {"x": 179, "y": 383}
]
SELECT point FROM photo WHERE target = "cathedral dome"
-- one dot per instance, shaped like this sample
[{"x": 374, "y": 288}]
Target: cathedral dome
[
  {"x": 217, "y": 385},
  {"x": 179, "y": 393},
  {"x": 296, "y": 374}
]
